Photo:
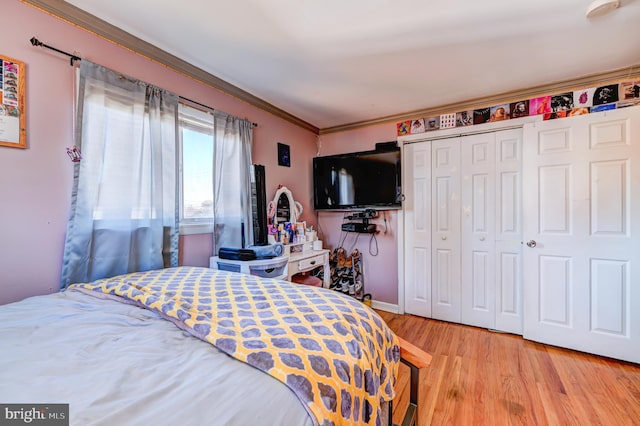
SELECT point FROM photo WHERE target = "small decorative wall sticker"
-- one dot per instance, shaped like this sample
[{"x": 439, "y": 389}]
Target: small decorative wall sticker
[
  {"x": 628, "y": 103},
  {"x": 578, "y": 111},
  {"x": 447, "y": 121},
  {"x": 481, "y": 115},
  {"x": 605, "y": 94},
  {"x": 403, "y": 128},
  {"x": 417, "y": 126},
  {"x": 583, "y": 98},
  {"x": 519, "y": 109},
  {"x": 541, "y": 105},
  {"x": 554, "y": 115},
  {"x": 432, "y": 123},
  {"x": 74, "y": 154},
  {"x": 629, "y": 90},
  {"x": 499, "y": 113},
  {"x": 464, "y": 118},
  {"x": 562, "y": 102},
  {"x": 605, "y": 107}
]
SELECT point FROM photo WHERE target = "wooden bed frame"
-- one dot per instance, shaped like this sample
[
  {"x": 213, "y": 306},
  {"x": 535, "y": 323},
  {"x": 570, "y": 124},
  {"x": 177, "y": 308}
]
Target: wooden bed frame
[{"x": 417, "y": 360}]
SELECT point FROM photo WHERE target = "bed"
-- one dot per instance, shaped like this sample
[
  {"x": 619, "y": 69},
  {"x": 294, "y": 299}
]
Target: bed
[{"x": 197, "y": 346}]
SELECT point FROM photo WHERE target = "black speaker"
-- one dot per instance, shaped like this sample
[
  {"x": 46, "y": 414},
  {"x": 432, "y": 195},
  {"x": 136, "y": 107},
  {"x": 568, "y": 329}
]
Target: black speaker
[{"x": 259, "y": 205}]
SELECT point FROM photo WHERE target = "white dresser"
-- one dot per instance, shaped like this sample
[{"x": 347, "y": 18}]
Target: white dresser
[
  {"x": 283, "y": 267},
  {"x": 309, "y": 260}
]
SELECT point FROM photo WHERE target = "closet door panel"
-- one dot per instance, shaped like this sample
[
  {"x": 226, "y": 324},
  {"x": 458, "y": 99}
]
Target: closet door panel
[
  {"x": 477, "y": 237},
  {"x": 445, "y": 174},
  {"x": 508, "y": 238},
  {"x": 417, "y": 214}
]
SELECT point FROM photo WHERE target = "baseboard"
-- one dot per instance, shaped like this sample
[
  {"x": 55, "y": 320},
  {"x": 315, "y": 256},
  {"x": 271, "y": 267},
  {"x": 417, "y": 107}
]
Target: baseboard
[{"x": 384, "y": 306}]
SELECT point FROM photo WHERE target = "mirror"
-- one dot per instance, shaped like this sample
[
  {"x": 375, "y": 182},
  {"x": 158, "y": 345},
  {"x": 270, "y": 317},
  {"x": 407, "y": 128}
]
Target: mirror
[{"x": 284, "y": 208}]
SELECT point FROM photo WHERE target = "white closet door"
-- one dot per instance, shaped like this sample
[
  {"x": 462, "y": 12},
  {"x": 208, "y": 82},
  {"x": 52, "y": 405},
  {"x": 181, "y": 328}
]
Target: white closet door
[
  {"x": 582, "y": 223},
  {"x": 478, "y": 230},
  {"x": 445, "y": 239},
  {"x": 508, "y": 237},
  {"x": 417, "y": 216}
]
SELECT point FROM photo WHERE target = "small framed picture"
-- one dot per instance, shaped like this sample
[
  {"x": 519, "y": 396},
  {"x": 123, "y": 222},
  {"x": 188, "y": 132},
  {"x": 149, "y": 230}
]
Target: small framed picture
[
  {"x": 13, "y": 115},
  {"x": 284, "y": 157}
]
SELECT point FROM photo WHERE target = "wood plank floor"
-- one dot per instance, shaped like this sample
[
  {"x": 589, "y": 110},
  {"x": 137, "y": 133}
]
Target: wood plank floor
[{"x": 480, "y": 377}]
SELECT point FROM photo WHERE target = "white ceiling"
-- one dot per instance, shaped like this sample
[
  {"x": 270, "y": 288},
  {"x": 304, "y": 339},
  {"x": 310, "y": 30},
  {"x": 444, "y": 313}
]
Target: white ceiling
[{"x": 335, "y": 62}]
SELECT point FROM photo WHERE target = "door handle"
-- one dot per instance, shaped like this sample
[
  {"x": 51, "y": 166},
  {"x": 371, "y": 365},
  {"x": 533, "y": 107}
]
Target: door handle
[{"x": 532, "y": 243}]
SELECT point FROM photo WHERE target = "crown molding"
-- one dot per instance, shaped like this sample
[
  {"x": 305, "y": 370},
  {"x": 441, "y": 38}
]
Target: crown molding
[
  {"x": 593, "y": 80},
  {"x": 86, "y": 21}
]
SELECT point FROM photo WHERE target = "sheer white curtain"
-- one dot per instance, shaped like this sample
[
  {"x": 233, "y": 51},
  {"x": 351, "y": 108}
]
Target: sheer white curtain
[
  {"x": 124, "y": 211},
  {"x": 232, "y": 215}
]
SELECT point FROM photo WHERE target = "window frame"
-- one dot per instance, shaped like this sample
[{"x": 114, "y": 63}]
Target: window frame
[{"x": 190, "y": 122}]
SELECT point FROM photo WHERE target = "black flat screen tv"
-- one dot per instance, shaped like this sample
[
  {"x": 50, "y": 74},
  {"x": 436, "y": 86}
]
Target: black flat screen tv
[{"x": 358, "y": 180}]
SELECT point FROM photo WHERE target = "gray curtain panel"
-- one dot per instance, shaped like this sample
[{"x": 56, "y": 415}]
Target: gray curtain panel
[
  {"x": 233, "y": 224},
  {"x": 124, "y": 211}
]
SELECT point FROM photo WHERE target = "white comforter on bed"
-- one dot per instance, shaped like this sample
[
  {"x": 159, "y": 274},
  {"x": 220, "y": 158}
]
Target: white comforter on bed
[{"x": 117, "y": 364}]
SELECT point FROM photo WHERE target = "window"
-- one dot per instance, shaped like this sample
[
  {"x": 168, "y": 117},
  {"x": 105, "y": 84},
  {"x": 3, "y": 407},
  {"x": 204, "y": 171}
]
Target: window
[
  {"x": 196, "y": 170},
  {"x": 215, "y": 160}
]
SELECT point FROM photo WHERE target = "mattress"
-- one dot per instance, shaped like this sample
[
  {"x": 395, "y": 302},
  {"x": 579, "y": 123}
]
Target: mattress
[{"x": 119, "y": 364}]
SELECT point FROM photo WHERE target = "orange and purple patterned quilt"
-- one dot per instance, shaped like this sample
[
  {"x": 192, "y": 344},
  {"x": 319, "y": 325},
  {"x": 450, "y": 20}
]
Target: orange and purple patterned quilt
[{"x": 337, "y": 355}]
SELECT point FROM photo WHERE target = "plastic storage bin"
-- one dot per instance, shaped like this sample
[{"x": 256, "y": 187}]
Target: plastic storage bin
[{"x": 268, "y": 268}]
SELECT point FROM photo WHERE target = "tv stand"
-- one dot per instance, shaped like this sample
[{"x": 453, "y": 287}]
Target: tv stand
[{"x": 363, "y": 227}]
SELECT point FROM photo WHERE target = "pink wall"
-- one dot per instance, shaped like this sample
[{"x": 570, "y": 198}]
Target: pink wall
[
  {"x": 381, "y": 271},
  {"x": 36, "y": 182}
]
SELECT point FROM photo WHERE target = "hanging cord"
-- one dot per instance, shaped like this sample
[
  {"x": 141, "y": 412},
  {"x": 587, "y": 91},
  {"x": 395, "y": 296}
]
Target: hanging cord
[
  {"x": 343, "y": 234},
  {"x": 371, "y": 241},
  {"x": 384, "y": 215},
  {"x": 343, "y": 237},
  {"x": 355, "y": 241},
  {"x": 319, "y": 229}
]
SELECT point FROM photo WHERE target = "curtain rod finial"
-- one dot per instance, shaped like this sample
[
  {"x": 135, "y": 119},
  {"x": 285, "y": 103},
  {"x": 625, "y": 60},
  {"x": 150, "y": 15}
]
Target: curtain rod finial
[{"x": 35, "y": 42}]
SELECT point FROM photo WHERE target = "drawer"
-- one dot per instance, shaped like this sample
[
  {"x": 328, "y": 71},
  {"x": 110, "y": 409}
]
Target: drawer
[
  {"x": 310, "y": 263},
  {"x": 274, "y": 270},
  {"x": 269, "y": 268}
]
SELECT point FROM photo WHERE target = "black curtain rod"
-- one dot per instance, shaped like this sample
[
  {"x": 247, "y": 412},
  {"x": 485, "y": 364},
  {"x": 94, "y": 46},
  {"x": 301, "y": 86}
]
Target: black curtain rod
[
  {"x": 35, "y": 42},
  {"x": 206, "y": 106}
]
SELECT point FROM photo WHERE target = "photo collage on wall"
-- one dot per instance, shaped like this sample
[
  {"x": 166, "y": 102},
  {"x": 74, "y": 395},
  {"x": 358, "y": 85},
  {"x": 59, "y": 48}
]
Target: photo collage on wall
[
  {"x": 568, "y": 104},
  {"x": 9, "y": 89}
]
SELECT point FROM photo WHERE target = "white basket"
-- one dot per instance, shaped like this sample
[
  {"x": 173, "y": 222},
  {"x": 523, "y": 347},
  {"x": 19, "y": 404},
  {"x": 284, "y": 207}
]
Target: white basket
[{"x": 268, "y": 268}]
